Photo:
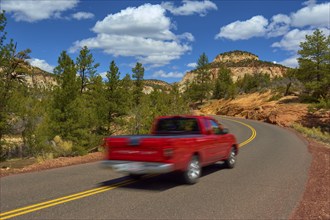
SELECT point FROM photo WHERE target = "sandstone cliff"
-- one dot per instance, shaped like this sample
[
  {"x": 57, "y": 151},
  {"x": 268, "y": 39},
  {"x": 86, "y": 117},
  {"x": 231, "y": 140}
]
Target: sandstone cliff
[{"x": 239, "y": 63}]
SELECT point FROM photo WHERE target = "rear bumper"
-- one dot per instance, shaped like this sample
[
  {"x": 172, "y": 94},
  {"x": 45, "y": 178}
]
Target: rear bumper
[{"x": 137, "y": 167}]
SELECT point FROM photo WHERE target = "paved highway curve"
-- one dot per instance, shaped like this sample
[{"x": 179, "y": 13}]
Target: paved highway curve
[{"x": 267, "y": 183}]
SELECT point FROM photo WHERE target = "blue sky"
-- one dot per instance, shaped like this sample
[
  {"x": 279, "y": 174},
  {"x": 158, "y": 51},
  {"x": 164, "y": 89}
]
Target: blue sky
[{"x": 167, "y": 37}]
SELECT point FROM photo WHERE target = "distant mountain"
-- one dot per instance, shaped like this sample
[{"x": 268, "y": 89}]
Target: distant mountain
[{"x": 239, "y": 63}]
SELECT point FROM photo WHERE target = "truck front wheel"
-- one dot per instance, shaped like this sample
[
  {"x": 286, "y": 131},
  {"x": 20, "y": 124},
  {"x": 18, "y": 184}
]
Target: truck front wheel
[{"x": 193, "y": 171}]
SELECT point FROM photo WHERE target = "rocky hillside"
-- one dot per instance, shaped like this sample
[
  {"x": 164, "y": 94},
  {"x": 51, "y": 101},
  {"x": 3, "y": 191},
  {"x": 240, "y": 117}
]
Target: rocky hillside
[
  {"x": 152, "y": 84},
  {"x": 262, "y": 107},
  {"x": 34, "y": 76},
  {"x": 239, "y": 63}
]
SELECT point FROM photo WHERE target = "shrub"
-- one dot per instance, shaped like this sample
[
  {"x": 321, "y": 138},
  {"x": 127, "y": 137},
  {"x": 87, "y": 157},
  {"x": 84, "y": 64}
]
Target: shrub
[{"x": 314, "y": 133}]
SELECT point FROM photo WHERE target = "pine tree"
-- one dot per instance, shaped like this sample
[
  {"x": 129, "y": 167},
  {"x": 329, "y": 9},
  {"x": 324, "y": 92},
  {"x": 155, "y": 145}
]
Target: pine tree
[
  {"x": 224, "y": 84},
  {"x": 10, "y": 81},
  {"x": 65, "y": 97},
  {"x": 314, "y": 65},
  {"x": 115, "y": 96},
  {"x": 138, "y": 74},
  {"x": 86, "y": 67},
  {"x": 201, "y": 86}
]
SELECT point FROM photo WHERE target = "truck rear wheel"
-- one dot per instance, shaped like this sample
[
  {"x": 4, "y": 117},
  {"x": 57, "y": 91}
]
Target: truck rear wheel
[{"x": 193, "y": 171}]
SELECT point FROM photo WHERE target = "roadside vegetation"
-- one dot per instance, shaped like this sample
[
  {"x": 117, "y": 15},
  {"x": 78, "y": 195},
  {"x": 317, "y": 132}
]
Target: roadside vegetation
[
  {"x": 314, "y": 133},
  {"x": 73, "y": 116}
]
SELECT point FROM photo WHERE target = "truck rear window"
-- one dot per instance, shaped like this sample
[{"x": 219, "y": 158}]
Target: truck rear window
[{"x": 177, "y": 126}]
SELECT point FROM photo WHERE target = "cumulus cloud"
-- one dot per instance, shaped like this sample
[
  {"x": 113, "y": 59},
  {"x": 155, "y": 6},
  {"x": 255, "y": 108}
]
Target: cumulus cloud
[
  {"x": 312, "y": 16},
  {"x": 242, "y": 30},
  {"x": 142, "y": 32},
  {"x": 42, "y": 64},
  {"x": 190, "y": 7},
  {"x": 33, "y": 10},
  {"x": 290, "y": 62},
  {"x": 83, "y": 15},
  {"x": 315, "y": 15},
  {"x": 163, "y": 74},
  {"x": 292, "y": 39},
  {"x": 192, "y": 65},
  {"x": 280, "y": 25}
]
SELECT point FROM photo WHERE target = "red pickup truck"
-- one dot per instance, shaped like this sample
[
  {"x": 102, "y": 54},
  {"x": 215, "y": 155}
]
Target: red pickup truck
[{"x": 176, "y": 143}]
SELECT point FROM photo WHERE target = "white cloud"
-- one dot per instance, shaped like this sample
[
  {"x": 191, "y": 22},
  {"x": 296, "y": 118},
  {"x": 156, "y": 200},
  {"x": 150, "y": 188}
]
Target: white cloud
[
  {"x": 243, "y": 30},
  {"x": 42, "y": 64},
  {"x": 292, "y": 39},
  {"x": 82, "y": 15},
  {"x": 315, "y": 15},
  {"x": 103, "y": 75},
  {"x": 143, "y": 32},
  {"x": 190, "y": 7},
  {"x": 280, "y": 25},
  {"x": 33, "y": 10},
  {"x": 163, "y": 74},
  {"x": 192, "y": 65},
  {"x": 290, "y": 62}
]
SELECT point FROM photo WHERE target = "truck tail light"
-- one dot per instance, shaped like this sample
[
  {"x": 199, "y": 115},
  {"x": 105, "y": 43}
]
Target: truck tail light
[{"x": 168, "y": 152}]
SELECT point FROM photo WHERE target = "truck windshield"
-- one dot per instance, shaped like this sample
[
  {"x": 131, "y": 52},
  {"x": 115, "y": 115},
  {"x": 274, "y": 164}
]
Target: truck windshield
[{"x": 177, "y": 126}]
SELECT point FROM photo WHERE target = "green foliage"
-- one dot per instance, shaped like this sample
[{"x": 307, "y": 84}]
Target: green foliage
[
  {"x": 11, "y": 84},
  {"x": 253, "y": 83},
  {"x": 321, "y": 104},
  {"x": 117, "y": 97},
  {"x": 138, "y": 108},
  {"x": 159, "y": 103},
  {"x": 314, "y": 65},
  {"x": 224, "y": 86},
  {"x": 200, "y": 88},
  {"x": 85, "y": 66},
  {"x": 138, "y": 74},
  {"x": 315, "y": 133}
]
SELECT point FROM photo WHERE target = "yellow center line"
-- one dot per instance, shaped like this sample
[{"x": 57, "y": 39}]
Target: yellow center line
[
  {"x": 61, "y": 200},
  {"x": 253, "y": 131}
]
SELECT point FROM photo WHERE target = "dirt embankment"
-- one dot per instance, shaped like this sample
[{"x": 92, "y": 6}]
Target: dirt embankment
[{"x": 259, "y": 106}]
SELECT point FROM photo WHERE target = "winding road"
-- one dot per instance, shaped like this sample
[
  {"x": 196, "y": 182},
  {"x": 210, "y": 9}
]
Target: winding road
[{"x": 267, "y": 183}]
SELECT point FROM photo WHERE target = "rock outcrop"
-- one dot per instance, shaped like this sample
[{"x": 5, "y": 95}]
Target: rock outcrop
[{"x": 239, "y": 63}]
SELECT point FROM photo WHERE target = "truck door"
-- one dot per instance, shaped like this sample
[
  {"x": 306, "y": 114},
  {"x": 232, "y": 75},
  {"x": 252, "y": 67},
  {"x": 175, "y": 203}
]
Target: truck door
[{"x": 221, "y": 141}]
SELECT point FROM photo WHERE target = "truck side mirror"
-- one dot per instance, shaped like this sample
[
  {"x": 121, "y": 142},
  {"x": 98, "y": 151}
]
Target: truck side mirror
[{"x": 225, "y": 131}]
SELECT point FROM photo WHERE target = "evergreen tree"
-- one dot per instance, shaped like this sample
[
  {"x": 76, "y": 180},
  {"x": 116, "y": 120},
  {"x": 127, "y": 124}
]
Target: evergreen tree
[
  {"x": 201, "y": 86},
  {"x": 314, "y": 65},
  {"x": 138, "y": 74},
  {"x": 116, "y": 106},
  {"x": 65, "y": 116},
  {"x": 224, "y": 85},
  {"x": 85, "y": 66},
  {"x": 10, "y": 81}
]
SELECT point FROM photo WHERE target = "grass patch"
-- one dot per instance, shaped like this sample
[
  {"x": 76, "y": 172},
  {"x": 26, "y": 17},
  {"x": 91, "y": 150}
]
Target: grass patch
[{"x": 314, "y": 133}]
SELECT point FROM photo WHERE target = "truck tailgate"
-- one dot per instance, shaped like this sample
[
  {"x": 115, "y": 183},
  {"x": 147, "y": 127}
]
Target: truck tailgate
[{"x": 136, "y": 148}]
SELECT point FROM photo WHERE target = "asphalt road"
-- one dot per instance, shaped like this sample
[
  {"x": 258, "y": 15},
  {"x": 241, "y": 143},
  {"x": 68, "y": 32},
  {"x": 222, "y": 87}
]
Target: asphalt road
[{"x": 267, "y": 183}]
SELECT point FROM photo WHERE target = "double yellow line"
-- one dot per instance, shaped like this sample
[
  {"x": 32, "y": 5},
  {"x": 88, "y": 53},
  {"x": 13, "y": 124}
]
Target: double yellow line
[
  {"x": 50, "y": 203},
  {"x": 61, "y": 200},
  {"x": 253, "y": 132}
]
